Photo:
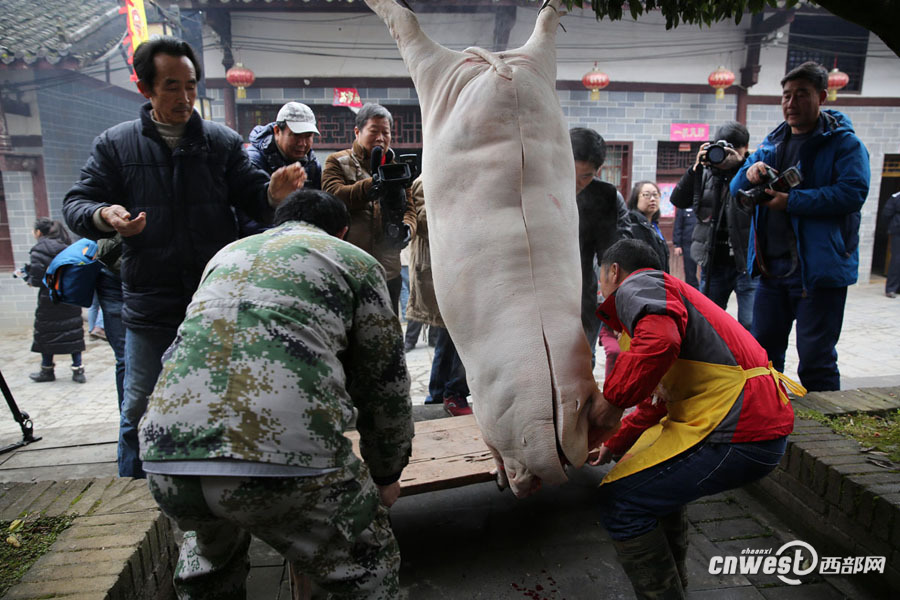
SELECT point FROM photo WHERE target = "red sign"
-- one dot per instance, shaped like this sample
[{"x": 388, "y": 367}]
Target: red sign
[
  {"x": 346, "y": 97},
  {"x": 688, "y": 132}
]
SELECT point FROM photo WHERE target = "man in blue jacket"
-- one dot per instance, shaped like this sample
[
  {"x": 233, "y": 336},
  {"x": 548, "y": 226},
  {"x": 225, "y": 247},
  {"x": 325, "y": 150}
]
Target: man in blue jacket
[
  {"x": 167, "y": 182},
  {"x": 287, "y": 140},
  {"x": 805, "y": 243}
]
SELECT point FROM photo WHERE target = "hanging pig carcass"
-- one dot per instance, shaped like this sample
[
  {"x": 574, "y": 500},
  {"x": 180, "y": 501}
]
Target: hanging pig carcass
[{"x": 499, "y": 182}]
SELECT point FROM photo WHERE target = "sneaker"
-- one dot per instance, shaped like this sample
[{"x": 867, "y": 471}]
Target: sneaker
[
  {"x": 98, "y": 333},
  {"x": 429, "y": 399},
  {"x": 408, "y": 347},
  {"x": 457, "y": 407},
  {"x": 890, "y": 294}
]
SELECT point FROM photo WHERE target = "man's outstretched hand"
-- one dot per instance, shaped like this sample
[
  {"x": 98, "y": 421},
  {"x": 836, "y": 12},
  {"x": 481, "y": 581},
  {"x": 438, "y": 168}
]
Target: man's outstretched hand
[{"x": 119, "y": 218}]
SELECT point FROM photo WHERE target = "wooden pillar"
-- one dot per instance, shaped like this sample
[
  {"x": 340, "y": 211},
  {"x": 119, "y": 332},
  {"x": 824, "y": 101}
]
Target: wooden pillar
[{"x": 220, "y": 21}]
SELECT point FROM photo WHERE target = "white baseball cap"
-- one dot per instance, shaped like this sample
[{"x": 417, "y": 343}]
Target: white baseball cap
[{"x": 299, "y": 117}]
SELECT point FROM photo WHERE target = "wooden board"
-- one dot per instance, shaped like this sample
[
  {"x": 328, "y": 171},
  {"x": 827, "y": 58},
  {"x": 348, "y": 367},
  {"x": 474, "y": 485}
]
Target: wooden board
[{"x": 446, "y": 453}]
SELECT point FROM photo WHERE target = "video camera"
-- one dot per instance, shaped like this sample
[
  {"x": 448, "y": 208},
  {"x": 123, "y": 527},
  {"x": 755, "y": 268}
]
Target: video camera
[
  {"x": 771, "y": 180},
  {"x": 390, "y": 181},
  {"x": 716, "y": 153}
]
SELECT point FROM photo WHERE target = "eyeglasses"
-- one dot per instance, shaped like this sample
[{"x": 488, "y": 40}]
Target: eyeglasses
[{"x": 649, "y": 194}]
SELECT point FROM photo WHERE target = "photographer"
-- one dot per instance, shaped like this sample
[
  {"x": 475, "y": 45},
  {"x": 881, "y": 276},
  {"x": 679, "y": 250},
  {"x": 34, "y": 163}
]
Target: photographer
[
  {"x": 719, "y": 240},
  {"x": 805, "y": 242},
  {"x": 348, "y": 176}
]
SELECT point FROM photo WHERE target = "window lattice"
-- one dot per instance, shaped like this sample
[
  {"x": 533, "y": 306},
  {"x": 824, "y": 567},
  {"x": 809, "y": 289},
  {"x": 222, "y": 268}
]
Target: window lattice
[{"x": 826, "y": 39}]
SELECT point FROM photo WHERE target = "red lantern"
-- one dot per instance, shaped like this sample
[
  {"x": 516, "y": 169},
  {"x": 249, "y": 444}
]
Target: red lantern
[
  {"x": 836, "y": 80},
  {"x": 595, "y": 80},
  {"x": 720, "y": 79},
  {"x": 240, "y": 77}
]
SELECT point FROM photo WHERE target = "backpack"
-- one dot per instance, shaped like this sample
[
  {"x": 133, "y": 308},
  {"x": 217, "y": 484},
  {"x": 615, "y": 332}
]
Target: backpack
[{"x": 72, "y": 274}]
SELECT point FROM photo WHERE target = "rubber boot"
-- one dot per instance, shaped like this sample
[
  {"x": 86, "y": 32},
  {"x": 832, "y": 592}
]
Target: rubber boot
[
  {"x": 675, "y": 526},
  {"x": 45, "y": 374},
  {"x": 78, "y": 374},
  {"x": 648, "y": 562}
]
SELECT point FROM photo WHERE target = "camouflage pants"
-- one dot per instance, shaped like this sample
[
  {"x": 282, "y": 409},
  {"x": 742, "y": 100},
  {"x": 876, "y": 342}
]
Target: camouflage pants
[{"x": 332, "y": 527}]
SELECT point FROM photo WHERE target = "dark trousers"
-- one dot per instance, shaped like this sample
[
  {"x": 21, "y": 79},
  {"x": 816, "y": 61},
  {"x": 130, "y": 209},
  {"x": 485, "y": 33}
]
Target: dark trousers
[
  {"x": 109, "y": 290},
  {"x": 395, "y": 286},
  {"x": 632, "y": 506},
  {"x": 819, "y": 314},
  {"x": 690, "y": 268},
  {"x": 448, "y": 375},
  {"x": 893, "y": 274},
  {"x": 144, "y": 349}
]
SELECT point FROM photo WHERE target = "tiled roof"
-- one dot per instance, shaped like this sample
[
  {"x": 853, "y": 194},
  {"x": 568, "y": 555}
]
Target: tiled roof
[{"x": 53, "y": 30}]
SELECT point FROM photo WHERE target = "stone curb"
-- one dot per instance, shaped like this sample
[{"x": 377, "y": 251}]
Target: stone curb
[
  {"x": 119, "y": 547},
  {"x": 829, "y": 490}
]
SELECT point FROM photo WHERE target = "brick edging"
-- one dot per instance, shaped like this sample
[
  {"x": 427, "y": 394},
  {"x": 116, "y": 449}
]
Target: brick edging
[
  {"x": 843, "y": 504},
  {"x": 122, "y": 549}
]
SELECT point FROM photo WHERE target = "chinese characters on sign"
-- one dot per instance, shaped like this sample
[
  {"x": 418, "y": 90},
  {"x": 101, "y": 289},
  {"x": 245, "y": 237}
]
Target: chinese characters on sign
[
  {"x": 346, "y": 97},
  {"x": 688, "y": 132},
  {"x": 137, "y": 28}
]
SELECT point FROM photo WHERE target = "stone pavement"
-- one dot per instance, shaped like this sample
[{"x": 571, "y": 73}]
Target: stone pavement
[{"x": 472, "y": 542}]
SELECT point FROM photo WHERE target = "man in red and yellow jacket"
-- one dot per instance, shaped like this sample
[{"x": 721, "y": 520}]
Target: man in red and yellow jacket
[{"x": 712, "y": 414}]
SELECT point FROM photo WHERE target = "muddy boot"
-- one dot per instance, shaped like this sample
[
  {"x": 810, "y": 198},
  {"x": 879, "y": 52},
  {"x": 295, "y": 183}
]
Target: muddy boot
[
  {"x": 675, "y": 526},
  {"x": 78, "y": 374},
  {"x": 650, "y": 567},
  {"x": 45, "y": 374}
]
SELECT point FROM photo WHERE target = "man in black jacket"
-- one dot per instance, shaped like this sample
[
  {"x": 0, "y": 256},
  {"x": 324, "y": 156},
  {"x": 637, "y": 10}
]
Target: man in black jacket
[
  {"x": 167, "y": 183},
  {"x": 722, "y": 229},
  {"x": 891, "y": 214},
  {"x": 602, "y": 220}
]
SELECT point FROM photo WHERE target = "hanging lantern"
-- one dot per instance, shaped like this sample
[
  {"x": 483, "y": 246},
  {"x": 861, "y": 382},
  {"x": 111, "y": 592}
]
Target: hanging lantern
[
  {"x": 836, "y": 80},
  {"x": 240, "y": 77},
  {"x": 720, "y": 79},
  {"x": 595, "y": 80}
]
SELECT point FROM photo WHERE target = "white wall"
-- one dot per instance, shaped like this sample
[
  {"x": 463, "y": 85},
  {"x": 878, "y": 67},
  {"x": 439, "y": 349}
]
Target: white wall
[{"x": 359, "y": 45}]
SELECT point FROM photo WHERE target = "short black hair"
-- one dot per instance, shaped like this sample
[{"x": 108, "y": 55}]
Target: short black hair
[
  {"x": 588, "y": 146},
  {"x": 145, "y": 68},
  {"x": 631, "y": 255},
  {"x": 316, "y": 208},
  {"x": 734, "y": 133},
  {"x": 811, "y": 71}
]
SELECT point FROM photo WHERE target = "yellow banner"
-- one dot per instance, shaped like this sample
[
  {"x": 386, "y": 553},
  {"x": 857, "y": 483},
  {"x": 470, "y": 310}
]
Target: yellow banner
[{"x": 137, "y": 22}]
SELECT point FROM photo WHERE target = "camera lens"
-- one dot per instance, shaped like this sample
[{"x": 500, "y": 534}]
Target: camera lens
[{"x": 715, "y": 154}]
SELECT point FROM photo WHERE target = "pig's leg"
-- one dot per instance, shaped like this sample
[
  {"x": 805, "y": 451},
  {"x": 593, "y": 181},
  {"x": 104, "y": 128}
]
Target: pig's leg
[
  {"x": 541, "y": 46},
  {"x": 419, "y": 51}
]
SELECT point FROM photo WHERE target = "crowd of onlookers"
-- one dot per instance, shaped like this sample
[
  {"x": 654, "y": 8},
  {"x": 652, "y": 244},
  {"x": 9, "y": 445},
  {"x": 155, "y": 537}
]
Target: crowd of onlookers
[{"x": 168, "y": 195}]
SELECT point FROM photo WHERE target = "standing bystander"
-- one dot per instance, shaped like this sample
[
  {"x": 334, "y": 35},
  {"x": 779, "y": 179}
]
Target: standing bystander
[
  {"x": 167, "y": 183},
  {"x": 805, "y": 243},
  {"x": 891, "y": 214}
]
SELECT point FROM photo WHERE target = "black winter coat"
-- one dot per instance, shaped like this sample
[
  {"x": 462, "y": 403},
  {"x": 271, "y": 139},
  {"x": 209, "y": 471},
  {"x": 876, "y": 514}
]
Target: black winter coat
[
  {"x": 602, "y": 221},
  {"x": 729, "y": 237},
  {"x": 891, "y": 214},
  {"x": 58, "y": 328},
  {"x": 188, "y": 194},
  {"x": 642, "y": 229}
]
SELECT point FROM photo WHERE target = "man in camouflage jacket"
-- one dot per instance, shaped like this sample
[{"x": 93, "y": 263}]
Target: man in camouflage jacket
[{"x": 289, "y": 331}]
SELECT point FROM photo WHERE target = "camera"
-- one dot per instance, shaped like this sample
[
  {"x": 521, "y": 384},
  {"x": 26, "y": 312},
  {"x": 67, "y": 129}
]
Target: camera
[
  {"x": 716, "y": 153},
  {"x": 772, "y": 180},
  {"x": 390, "y": 181}
]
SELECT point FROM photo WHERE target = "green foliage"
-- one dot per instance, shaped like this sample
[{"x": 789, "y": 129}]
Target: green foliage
[
  {"x": 699, "y": 12},
  {"x": 34, "y": 536},
  {"x": 872, "y": 431}
]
